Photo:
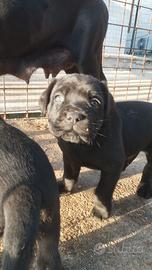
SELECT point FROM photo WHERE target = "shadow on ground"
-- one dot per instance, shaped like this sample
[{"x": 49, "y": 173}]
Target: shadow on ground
[{"x": 125, "y": 243}]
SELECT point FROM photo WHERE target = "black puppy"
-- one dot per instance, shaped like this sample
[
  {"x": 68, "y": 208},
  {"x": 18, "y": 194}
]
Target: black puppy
[
  {"x": 95, "y": 132},
  {"x": 27, "y": 185}
]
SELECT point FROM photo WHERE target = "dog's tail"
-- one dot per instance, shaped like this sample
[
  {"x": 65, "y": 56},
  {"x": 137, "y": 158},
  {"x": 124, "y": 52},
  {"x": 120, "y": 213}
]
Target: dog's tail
[{"x": 21, "y": 213}]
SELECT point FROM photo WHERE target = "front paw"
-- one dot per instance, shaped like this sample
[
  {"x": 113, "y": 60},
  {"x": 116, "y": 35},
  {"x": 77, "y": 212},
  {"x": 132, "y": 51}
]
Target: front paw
[
  {"x": 69, "y": 184},
  {"x": 61, "y": 187},
  {"x": 66, "y": 186},
  {"x": 100, "y": 210}
]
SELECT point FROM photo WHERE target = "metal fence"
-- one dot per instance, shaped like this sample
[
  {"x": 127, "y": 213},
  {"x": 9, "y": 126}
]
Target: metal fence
[
  {"x": 128, "y": 49},
  {"x": 127, "y": 61}
]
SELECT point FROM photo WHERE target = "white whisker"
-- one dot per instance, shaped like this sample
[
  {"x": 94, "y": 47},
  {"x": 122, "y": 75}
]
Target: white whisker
[{"x": 101, "y": 135}]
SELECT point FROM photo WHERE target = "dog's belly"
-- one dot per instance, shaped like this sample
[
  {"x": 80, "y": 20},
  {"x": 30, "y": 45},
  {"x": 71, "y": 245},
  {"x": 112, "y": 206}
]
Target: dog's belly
[
  {"x": 31, "y": 27},
  {"x": 135, "y": 142},
  {"x": 91, "y": 164},
  {"x": 129, "y": 160},
  {"x": 137, "y": 126}
]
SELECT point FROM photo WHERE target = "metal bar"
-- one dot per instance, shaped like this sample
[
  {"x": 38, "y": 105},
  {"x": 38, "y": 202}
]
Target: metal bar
[
  {"x": 131, "y": 4},
  {"x": 4, "y": 93},
  {"x": 125, "y": 25},
  {"x": 134, "y": 30},
  {"x": 131, "y": 13}
]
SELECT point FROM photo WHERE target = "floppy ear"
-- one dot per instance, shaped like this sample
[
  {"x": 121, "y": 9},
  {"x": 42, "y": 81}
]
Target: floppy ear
[
  {"x": 108, "y": 99},
  {"x": 45, "y": 97}
]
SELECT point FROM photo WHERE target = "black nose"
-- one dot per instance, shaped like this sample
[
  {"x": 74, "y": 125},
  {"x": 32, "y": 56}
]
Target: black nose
[{"x": 74, "y": 117}]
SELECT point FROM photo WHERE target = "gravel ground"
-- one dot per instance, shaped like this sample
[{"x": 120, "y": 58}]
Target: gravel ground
[{"x": 124, "y": 241}]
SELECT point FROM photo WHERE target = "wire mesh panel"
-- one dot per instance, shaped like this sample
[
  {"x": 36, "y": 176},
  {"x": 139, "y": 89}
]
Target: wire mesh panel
[
  {"x": 128, "y": 49},
  {"x": 18, "y": 97},
  {"x": 127, "y": 61}
]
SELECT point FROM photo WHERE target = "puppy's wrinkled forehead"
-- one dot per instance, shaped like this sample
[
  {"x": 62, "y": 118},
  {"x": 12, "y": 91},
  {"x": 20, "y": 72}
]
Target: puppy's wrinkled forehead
[{"x": 73, "y": 86}]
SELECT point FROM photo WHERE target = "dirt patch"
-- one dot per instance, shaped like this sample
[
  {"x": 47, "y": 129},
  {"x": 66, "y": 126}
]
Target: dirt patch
[{"x": 124, "y": 241}]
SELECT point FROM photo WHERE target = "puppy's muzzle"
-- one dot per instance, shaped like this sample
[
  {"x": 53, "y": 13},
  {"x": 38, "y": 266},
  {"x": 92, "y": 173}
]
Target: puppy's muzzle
[
  {"x": 75, "y": 121},
  {"x": 73, "y": 117}
]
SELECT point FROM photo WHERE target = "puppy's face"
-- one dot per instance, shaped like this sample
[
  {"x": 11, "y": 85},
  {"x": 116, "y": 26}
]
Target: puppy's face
[{"x": 76, "y": 106}]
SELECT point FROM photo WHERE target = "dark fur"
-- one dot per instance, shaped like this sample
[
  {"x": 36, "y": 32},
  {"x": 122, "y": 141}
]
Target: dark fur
[
  {"x": 95, "y": 132},
  {"x": 31, "y": 29},
  {"x": 27, "y": 186}
]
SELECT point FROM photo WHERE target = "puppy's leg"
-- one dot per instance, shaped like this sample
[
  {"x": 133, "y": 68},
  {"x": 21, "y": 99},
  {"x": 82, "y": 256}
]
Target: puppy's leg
[
  {"x": 103, "y": 194},
  {"x": 71, "y": 173},
  {"x": 21, "y": 212},
  {"x": 91, "y": 66},
  {"x": 145, "y": 187},
  {"x": 48, "y": 240}
]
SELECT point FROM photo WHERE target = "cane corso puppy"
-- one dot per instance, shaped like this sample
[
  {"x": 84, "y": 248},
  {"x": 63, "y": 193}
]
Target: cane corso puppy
[
  {"x": 27, "y": 186},
  {"x": 50, "y": 34},
  {"x": 95, "y": 132}
]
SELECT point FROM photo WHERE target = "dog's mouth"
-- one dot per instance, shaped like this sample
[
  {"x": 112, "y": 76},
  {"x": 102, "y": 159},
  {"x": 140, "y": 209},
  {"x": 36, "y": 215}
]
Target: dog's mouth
[
  {"x": 73, "y": 135},
  {"x": 75, "y": 138}
]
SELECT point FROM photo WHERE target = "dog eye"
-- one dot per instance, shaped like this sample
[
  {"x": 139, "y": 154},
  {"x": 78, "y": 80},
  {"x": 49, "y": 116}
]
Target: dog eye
[
  {"x": 95, "y": 102},
  {"x": 59, "y": 99}
]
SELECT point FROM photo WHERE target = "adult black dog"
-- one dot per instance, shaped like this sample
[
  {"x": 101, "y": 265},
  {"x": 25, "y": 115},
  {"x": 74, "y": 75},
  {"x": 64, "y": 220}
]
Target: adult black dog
[
  {"x": 95, "y": 132},
  {"x": 31, "y": 29},
  {"x": 27, "y": 185}
]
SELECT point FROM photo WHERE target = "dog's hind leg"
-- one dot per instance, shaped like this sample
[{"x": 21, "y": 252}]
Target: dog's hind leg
[
  {"x": 21, "y": 213},
  {"x": 48, "y": 239},
  {"x": 85, "y": 42},
  {"x": 145, "y": 187},
  {"x": 72, "y": 70}
]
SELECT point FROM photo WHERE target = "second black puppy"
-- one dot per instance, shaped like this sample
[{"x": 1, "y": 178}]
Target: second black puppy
[
  {"x": 95, "y": 132},
  {"x": 27, "y": 185}
]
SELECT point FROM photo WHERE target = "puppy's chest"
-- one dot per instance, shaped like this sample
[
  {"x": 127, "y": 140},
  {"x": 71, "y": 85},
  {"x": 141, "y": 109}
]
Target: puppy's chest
[
  {"x": 85, "y": 156},
  {"x": 88, "y": 158}
]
